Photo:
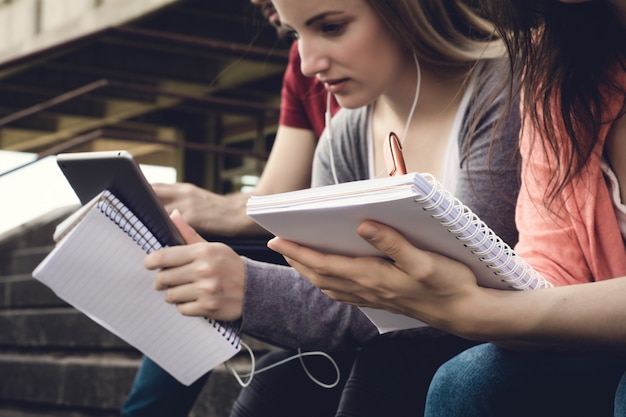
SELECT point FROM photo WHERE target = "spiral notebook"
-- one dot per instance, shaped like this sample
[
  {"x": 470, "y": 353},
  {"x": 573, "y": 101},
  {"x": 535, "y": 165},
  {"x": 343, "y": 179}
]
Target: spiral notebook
[
  {"x": 97, "y": 267},
  {"x": 326, "y": 218}
]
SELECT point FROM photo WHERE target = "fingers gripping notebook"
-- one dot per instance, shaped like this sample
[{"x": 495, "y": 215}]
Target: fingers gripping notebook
[
  {"x": 97, "y": 267},
  {"x": 326, "y": 218}
]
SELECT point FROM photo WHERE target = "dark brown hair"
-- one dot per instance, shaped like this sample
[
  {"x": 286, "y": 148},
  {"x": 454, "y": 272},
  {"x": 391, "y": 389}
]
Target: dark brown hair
[{"x": 564, "y": 54}]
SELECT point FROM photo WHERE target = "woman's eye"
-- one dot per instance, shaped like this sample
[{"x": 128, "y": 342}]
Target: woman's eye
[{"x": 333, "y": 28}]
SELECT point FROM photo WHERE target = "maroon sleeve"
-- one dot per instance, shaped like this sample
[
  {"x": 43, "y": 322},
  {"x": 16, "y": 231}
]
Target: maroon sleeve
[{"x": 303, "y": 99}]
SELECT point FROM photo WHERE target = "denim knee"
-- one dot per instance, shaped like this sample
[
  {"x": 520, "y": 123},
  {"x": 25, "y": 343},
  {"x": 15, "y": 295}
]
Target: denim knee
[
  {"x": 620, "y": 398},
  {"x": 489, "y": 381},
  {"x": 458, "y": 387}
]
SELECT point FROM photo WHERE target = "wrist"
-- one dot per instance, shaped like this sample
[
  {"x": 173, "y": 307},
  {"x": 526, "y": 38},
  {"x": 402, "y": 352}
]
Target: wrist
[
  {"x": 228, "y": 216},
  {"x": 495, "y": 315},
  {"x": 475, "y": 316}
]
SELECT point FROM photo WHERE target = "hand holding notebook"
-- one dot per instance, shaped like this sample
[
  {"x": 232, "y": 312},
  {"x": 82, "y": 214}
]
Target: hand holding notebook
[
  {"x": 327, "y": 218},
  {"x": 97, "y": 267}
]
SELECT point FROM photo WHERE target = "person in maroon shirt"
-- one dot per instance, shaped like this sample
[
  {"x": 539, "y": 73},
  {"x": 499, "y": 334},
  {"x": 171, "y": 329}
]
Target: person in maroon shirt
[{"x": 301, "y": 122}]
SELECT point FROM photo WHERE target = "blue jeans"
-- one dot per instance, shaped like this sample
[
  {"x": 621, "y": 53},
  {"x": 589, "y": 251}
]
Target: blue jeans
[
  {"x": 488, "y": 381},
  {"x": 156, "y": 393},
  {"x": 620, "y": 398}
]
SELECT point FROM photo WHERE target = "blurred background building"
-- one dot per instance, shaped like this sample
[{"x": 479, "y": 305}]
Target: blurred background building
[{"x": 190, "y": 87}]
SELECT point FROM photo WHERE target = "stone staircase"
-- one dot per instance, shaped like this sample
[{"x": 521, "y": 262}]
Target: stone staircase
[{"x": 54, "y": 361}]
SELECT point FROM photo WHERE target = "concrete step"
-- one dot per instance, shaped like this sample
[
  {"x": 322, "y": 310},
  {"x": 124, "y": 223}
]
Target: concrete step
[
  {"x": 23, "y": 291},
  {"x": 25, "y": 260},
  {"x": 52, "y": 329},
  {"x": 60, "y": 381},
  {"x": 32, "y": 410},
  {"x": 93, "y": 385},
  {"x": 22, "y": 248}
]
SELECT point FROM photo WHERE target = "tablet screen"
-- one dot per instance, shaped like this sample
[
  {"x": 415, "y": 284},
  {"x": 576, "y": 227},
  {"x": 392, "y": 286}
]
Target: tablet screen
[{"x": 90, "y": 173}]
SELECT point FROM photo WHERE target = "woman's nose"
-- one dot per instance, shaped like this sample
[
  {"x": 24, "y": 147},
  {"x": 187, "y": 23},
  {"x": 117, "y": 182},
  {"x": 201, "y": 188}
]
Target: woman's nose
[{"x": 313, "y": 57}]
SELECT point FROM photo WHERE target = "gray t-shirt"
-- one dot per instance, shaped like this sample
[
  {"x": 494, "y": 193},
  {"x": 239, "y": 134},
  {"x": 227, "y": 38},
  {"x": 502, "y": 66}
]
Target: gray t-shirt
[{"x": 283, "y": 308}]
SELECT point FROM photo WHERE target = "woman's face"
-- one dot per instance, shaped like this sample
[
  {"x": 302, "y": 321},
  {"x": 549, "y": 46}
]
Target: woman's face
[{"x": 345, "y": 45}]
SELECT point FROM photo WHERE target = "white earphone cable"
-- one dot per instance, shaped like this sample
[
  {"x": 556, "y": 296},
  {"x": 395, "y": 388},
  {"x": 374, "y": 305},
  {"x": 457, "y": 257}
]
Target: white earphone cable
[
  {"x": 327, "y": 117},
  {"x": 415, "y": 99},
  {"x": 300, "y": 355}
]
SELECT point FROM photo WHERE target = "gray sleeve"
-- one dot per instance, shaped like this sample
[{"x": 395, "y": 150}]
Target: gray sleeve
[
  {"x": 489, "y": 174},
  {"x": 342, "y": 147},
  {"x": 283, "y": 308}
]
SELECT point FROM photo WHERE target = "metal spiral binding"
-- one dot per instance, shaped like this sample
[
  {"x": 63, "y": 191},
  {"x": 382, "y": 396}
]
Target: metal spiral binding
[
  {"x": 489, "y": 247},
  {"x": 229, "y": 330},
  {"x": 121, "y": 215}
]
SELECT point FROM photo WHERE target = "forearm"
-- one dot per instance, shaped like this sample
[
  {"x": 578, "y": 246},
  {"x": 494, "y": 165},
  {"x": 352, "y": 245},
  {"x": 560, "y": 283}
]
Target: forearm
[
  {"x": 288, "y": 168},
  {"x": 283, "y": 308},
  {"x": 231, "y": 219},
  {"x": 208, "y": 213},
  {"x": 580, "y": 316}
]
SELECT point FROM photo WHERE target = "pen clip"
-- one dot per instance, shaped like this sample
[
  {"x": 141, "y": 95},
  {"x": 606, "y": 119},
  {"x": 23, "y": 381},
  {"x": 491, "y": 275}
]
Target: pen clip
[{"x": 392, "y": 152}]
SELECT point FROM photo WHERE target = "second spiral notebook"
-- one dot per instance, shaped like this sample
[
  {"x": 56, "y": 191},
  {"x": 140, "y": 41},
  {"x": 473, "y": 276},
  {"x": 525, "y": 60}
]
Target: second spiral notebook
[
  {"x": 97, "y": 267},
  {"x": 326, "y": 218}
]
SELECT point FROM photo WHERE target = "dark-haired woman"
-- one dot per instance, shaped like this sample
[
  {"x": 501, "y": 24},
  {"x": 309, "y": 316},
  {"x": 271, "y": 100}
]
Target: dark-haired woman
[{"x": 571, "y": 219}]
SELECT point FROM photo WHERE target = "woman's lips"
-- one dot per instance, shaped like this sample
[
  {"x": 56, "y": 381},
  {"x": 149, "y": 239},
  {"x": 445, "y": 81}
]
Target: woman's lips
[{"x": 335, "y": 86}]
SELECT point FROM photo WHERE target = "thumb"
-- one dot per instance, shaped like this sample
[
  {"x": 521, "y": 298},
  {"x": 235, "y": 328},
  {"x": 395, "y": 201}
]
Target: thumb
[
  {"x": 389, "y": 241},
  {"x": 186, "y": 231}
]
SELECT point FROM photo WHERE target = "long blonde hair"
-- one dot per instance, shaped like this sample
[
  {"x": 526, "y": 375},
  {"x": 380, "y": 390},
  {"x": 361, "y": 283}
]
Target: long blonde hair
[{"x": 440, "y": 32}]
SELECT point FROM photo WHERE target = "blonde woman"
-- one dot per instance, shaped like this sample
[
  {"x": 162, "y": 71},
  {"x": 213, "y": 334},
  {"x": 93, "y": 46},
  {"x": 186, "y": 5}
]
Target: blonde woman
[{"x": 425, "y": 70}]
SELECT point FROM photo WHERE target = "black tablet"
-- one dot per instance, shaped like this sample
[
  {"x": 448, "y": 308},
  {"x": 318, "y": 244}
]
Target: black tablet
[{"x": 90, "y": 173}]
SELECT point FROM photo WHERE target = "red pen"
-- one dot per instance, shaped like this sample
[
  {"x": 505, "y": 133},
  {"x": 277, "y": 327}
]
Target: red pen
[{"x": 392, "y": 151}]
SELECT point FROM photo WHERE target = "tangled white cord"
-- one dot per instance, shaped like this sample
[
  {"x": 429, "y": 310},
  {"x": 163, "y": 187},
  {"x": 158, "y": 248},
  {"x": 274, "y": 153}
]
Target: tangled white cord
[{"x": 300, "y": 355}]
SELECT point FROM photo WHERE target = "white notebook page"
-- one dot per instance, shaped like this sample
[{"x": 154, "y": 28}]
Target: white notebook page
[{"x": 99, "y": 270}]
